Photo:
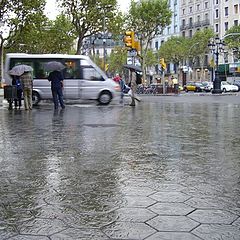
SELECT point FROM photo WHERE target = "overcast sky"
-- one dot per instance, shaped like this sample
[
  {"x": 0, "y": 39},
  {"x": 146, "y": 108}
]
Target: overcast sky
[{"x": 51, "y": 7}]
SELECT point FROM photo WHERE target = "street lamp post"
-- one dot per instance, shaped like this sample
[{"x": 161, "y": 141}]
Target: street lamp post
[
  {"x": 1, "y": 51},
  {"x": 216, "y": 45}
]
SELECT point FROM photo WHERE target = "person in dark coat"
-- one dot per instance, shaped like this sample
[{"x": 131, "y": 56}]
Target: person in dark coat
[
  {"x": 56, "y": 79},
  {"x": 18, "y": 100}
]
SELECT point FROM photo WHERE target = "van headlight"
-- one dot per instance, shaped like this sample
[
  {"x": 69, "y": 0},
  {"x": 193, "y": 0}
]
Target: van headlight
[{"x": 117, "y": 88}]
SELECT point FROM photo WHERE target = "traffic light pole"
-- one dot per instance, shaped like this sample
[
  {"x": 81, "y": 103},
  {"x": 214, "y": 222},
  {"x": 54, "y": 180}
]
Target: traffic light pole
[{"x": 163, "y": 79}]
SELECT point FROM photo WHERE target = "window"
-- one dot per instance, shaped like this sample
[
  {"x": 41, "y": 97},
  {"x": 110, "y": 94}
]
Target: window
[
  {"x": 183, "y": 33},
  {"x": 206, "y": 5},
  {"x": 216, "y": 28},
  {"x": 156, "y": 45},
  {"x": 190, "y": 22},
  {"x": 216, "y": 2},
  {"x": 183, "y": 11},
  {"x": 226, "y": 11},
  {"x": 72, "y": 70},
  {"x": 190, "y": 9},
  {"x": 226, "y": 26},
  {"x": 216, "y": 13},
  {"x": 235, "y": 23},
  {"x": 206, "y": 17},
  {"x": 89, "y": 73},
  {"x": 236, "y": 9},
  {"x": 198, "y": 18},
  {"x": 183, "y": 22},
  {"x": 198, "y": 7},
  {"x": 190, "y": 33}
]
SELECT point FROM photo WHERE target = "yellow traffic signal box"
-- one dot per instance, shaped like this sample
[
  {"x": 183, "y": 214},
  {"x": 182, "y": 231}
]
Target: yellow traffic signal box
[
  {"x": 129, "y": 39},
  {"x": 163, "y": 64}
]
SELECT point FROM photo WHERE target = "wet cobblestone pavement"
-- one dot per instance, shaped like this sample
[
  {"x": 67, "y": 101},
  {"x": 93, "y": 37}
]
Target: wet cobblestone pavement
[{"x": 168, "y": 169}]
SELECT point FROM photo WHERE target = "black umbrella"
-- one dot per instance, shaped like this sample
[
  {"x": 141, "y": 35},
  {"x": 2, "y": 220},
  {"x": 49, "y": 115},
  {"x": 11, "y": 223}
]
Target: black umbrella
[{"x": 133, "y": 67}]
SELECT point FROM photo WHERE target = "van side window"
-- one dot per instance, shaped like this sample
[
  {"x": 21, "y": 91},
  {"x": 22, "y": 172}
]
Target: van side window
[
  {"x": 72, "y": 70},
  {"x": 90, "y": 73}
]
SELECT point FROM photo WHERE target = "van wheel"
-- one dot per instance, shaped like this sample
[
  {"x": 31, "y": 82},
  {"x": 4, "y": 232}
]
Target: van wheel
[
  {"x": 35, "y": 98},
  {"x": 224, "y": 90},
  {"x": 105, "y": 97}
]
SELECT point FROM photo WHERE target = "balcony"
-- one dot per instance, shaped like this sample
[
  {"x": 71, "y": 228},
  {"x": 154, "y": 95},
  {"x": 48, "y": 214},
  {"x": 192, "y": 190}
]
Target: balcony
[
  {"x": 206, "y": 22},
  {"x": 197, "y": 24},
  {"x": 183, "y": 27}
]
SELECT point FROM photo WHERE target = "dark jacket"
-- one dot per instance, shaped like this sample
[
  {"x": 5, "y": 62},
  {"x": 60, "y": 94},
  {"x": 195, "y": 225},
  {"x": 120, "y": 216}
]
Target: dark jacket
[{"x": 56, "y": 79}]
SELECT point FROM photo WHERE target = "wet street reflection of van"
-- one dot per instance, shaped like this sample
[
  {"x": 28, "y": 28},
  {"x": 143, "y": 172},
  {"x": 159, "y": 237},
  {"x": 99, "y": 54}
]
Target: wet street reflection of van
[{"x": 83, "y": 79}]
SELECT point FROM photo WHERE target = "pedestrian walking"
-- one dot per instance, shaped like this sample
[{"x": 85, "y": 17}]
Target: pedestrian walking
[
  {"x": 124, "y": 88},
  {"x": 26, "y": 81},
  {"x": 56, "y": 79},
  {"x": 133, "y": 86},
  {"x": 17, "y": 101}
]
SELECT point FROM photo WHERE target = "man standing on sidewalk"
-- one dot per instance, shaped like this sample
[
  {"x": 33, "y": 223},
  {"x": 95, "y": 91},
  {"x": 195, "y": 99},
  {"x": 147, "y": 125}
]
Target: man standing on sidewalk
[
  {"x": 56, "y": 79},
  {"x": 27, "y": 85}
]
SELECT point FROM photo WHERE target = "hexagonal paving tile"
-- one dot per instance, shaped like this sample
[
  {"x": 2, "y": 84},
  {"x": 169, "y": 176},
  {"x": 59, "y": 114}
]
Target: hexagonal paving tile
[
  {"x": 42, "y": 227},
  {"x": 170, "y": 196},
  {"x": 237, "y": 223},
  {"x": 29, "y": 237},
  {"x": 137, "y": 191},
  {"x": 138, "y": 201},
  {"x": 206, "y": 202},
  {"x": 173, "y": 236},
  {"x": 168, "y": 187},
  {"x": 172, "y": 223},
  {"x": 128, "y": 230},
  {"x": 83, "y": 234},
  {"x": 213, "y": 216},
  {"x": 171, "y": 209},
  {"x": 216, "y": 231},
  {"x": 134, "y": 214}
]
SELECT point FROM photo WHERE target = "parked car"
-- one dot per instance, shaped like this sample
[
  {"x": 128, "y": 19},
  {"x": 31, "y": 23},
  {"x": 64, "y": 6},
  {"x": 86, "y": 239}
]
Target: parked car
[
  {"x": 237, "y": 83},
  {"x": 193, "y": 86},
  {"x": 228, "y": 87},
  {"x": 208, "y": 86}
]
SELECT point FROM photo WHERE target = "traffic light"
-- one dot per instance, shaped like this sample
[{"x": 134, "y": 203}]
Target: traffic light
[
  {"x": 129, "y": 39},
  {"x": 163, "y": 64}
]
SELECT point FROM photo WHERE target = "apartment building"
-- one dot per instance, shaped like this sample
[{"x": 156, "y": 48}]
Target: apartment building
[
  {"x": 194, "y": 15},
  {"x": 226, "y": 13},
  {"x": 169, "y": 31}
]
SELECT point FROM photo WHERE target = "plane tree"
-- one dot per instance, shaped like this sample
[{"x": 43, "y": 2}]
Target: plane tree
[
  {"x": 90, "y": 17},
  {"x": 148, "y": 18}
]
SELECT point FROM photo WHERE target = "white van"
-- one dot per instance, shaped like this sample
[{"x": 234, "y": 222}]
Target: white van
[{"x": 83, "y": 79}]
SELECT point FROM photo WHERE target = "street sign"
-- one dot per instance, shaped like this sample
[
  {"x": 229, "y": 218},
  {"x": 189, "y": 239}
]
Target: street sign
[{"x": 132, "y": 53}]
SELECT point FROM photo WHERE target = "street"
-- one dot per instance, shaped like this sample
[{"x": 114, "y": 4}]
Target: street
[{"x": 167, "y": 169}]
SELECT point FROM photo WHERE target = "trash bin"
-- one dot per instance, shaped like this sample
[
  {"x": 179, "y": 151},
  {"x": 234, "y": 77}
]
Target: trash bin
[{"x": 10, "y": 92}]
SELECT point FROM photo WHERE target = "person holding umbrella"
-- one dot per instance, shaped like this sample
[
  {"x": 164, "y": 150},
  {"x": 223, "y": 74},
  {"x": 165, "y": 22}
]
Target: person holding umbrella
[
  {"x": 27, "y": 86},
  {"x": 56, "y": 79},
  {"x": 26, "y": 81}
]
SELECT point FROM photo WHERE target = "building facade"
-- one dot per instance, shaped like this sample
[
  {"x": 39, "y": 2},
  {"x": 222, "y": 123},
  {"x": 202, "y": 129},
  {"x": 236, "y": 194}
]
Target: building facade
[{"x": 193, "y": 15}]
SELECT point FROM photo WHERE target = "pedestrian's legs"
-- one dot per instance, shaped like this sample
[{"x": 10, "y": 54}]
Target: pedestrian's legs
[
  {"x": 60, "y": 97},
  {"x": 19, "y": 96},
  {"x": 15, "y": 102},
  {"x": 25, "y": 95},
  {"x": 30, "y": 98},
  {"x": 121, "y": 99},
  {"x": 55, "y": 98}
]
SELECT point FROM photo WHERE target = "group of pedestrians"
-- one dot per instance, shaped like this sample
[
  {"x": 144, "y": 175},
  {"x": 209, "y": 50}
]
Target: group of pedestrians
[{"x": 24, "y": 85}]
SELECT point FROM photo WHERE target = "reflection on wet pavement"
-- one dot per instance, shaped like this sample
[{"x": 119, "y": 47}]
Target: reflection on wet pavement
[{"x": 163, "y": 170}]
